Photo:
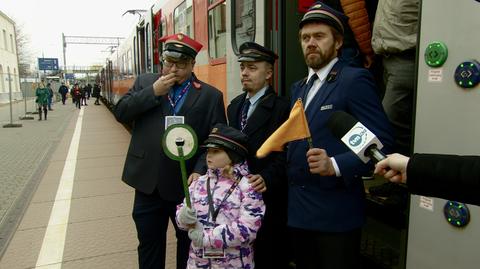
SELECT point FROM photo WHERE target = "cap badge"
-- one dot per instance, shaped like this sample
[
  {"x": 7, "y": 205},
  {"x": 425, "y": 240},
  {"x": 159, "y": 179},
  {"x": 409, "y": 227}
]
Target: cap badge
[
  {"x": 214, "y": 130},
  {"x": 180, "y": 37},
  {"x": 316, "y": 6}
]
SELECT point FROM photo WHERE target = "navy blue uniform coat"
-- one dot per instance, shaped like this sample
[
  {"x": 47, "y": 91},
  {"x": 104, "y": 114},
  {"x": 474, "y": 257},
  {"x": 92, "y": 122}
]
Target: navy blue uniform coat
[
  {"x": 334, "y": 204},
  {"x": 147, "y": 167}
]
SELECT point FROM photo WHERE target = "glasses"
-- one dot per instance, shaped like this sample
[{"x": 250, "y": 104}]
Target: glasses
[{"x": 179, "y": 65}]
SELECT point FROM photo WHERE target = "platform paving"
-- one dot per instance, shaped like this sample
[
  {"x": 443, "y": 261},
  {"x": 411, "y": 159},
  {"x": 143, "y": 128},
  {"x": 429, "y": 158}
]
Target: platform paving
[{"x": 101, "y": 232}]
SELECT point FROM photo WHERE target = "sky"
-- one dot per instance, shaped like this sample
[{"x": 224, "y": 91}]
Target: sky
[{"x": 43, "y": 22}]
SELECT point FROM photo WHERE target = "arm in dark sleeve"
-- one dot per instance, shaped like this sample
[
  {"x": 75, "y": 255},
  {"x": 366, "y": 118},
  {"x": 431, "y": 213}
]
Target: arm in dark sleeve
[
  {"x": 275, "y": 170},
  {"x": 445, "y": 176},
  {"x": 135, "y": 102}
]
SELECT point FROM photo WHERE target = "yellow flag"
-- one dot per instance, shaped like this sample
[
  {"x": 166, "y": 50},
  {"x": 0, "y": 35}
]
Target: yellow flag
[{"x": 294, "y": 128}]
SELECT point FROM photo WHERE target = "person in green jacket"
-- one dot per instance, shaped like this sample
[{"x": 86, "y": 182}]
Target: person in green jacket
[{"x": 42, "y": 100}]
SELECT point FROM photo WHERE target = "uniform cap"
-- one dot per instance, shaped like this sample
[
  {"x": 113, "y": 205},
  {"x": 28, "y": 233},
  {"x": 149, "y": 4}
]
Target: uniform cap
[
  {"x": 320, "y": 12},
  {"x": 227, "y": 138},
  {"x": 180, "y": 45},
  {"x": 253, "y": 52}
]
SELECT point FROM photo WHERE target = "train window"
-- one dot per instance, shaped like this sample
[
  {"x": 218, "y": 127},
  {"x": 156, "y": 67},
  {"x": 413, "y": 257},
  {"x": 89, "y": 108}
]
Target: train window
[
  {"x": 183, "y": 18},
  {"x": 124, "y": 66},
  {"x": 217, "y": 30},
  {"x": 129, "y": 62},
  {"x": 164, "y": 27},
  {"x": 243, "y": 22},
  {"x": 148, "y": 54}
]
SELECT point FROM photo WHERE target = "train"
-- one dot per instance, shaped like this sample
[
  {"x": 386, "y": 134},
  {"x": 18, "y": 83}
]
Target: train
[{"x": 221, "y": 27}]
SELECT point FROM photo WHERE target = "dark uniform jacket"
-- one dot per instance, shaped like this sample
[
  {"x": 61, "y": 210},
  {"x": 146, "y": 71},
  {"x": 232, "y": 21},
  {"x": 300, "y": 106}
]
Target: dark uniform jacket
[
  {"x": 269, "y": 114},
  {"x": 446, "y": 176},
  {"x": 147, "y": 167},
  {"x": 334, "y": 204}
]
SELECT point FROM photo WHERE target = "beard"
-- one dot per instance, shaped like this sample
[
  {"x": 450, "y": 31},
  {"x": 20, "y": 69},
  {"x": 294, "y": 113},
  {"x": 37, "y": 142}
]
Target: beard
[{"x": 317, "y": 59}]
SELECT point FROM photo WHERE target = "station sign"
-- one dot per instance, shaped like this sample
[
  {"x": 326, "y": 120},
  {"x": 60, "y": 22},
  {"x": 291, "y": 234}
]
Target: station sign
[
  {"x": 48, "y": 64},
  {"x": 69, "y": 76}
]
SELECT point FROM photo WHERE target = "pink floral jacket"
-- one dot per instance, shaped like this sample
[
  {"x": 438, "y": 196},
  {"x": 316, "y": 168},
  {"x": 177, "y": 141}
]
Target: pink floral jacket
[{"x": 237, "y": 223}]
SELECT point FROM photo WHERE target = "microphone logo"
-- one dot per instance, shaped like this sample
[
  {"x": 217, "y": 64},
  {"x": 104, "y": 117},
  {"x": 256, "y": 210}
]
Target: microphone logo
[{"x": 357, "y": 136}]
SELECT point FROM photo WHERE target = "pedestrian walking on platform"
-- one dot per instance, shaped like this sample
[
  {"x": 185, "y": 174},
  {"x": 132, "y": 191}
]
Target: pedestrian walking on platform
[
  {"x": 42, "y": 94},
  {"x": 96, "y": 93},
  {"x": 50, "y": 96},
  {"x": 76, "y": 95},
  {"x": 63, "y": 90}
]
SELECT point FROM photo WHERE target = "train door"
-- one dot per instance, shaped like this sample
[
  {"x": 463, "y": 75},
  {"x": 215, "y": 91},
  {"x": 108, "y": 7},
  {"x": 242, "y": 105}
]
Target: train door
[
  {"x": 157, "y": 34},
  {"x": 271, "y": 23},
  {"x": 140, "y": 48},
  {"x": 282, "y": 19},
  {"x": 445, "y": 234},
  {"x": 246, "y": 24}
]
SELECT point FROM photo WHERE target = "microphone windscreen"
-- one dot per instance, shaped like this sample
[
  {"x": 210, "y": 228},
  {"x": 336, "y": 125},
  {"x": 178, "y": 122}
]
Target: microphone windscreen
[{"x": 340, "y": 122}]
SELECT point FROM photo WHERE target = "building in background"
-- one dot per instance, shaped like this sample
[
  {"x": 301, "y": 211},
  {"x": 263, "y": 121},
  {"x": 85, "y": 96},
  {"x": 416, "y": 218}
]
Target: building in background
[{"x": 8, "y": 60}]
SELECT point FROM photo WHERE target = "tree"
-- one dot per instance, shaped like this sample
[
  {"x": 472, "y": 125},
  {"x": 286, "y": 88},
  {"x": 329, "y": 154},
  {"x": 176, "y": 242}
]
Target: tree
[{"x": 24, "y": 54}]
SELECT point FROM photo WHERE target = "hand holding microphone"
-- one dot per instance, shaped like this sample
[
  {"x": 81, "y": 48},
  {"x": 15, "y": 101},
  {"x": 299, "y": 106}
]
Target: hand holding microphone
[{"x": 393, "y": 168}]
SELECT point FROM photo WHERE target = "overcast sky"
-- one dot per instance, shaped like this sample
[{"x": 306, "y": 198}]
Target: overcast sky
[{"x": 43, "y": 21}]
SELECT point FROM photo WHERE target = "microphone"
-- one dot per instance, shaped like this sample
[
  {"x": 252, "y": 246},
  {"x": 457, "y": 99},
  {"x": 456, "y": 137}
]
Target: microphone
[{"x": 356, "y": 136}]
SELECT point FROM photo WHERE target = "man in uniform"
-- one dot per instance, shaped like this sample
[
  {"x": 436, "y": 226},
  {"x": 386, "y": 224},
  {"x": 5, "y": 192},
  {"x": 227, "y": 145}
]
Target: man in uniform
[
  {"x": 326, "y": 192},
  {"x": 152, "y": 104},
  {"x": 258, "y": 112}
]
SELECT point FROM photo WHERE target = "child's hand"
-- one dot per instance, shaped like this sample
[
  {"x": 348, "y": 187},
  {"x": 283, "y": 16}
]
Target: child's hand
[
  {"x": 196, "y": 235},
  {"x": 187, "y": 216}
]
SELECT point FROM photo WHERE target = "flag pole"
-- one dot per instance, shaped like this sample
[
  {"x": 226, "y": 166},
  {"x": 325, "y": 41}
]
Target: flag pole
[{"x": 309, "y": 138}]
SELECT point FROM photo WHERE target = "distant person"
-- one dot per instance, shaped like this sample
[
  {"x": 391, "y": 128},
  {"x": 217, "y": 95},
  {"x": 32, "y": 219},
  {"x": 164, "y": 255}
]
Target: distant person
[
  {"x": 83, "y": 95},
  {"x": 63, "y": 90},
  {"x": 96, "y": 93},
  {"x": 42, "y": 94},
  {"x": 76, "y": 95},
  {"x": 50, "y": 97},
  {"x": 229, "y": 231},
  {"x": 450, "y": 177},
  {"x": 88, "y": 90},
  {"x": 153, "y": 103}
]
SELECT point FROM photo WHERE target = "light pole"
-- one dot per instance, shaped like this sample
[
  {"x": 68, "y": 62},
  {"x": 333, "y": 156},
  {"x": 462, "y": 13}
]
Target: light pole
[
  {"x": 25, "y": 99},
  {"x": 11, "y": 124}
]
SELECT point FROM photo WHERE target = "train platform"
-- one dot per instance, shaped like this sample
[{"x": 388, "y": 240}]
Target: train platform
[{"x": 68, "y": 207}]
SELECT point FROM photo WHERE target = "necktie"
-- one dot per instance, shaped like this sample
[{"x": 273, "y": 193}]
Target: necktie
[
  {"x": 243, "y": 116},
  {"x": 308, "y": 87}
]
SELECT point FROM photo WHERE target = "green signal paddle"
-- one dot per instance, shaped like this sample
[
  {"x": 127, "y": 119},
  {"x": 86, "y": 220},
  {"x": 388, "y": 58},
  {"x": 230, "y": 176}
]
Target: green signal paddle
[{"x": 180, "y": 143}]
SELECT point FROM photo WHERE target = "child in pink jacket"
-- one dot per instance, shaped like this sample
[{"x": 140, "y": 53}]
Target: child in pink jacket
[{"x": 226, "y": 212}]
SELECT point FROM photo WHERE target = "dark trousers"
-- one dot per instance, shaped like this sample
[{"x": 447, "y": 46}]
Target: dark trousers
[
  {"x": 64, "y": 97},
  {"x": 151, "y": 214},
  {"x": 323, "y": 250},
  {"x": 77, "y": 102},
  {"x": 44, "y": 106},
  {"x": 272, "y": 247}
]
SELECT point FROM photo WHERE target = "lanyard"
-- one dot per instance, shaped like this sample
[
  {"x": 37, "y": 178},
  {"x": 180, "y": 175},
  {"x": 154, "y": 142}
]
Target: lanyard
[
  {"x": 174, "y": 102},
  {"x": 211, "y": 209}
]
